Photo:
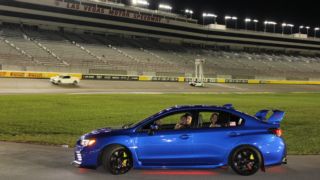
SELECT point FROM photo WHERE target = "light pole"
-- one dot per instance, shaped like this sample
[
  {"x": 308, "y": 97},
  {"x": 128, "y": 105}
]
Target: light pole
[
  {"x": 226, "y": 18},
  {"x": 255, "y": 24},
  {"x": 283, "y": 25},
  {"x": 291, "y": 27},
  {"x": 300, "y": 27},
  {"x": 236, "y": 21},
  {"x": 274, "y": 26},
  {"x": 315, "y": 32},
  {"x": 308, "y": 27},
  {"x": 246, "y": 21},
  {"x": 204, "y": 15}
]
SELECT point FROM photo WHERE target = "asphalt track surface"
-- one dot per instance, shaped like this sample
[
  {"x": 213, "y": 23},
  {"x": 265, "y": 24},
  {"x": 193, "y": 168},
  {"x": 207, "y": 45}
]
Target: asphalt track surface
[
  {"x": 36, "y": 162},
  {"x": 42, "y": 86}
]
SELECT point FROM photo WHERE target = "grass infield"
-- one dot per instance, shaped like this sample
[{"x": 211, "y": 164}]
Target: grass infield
[{"x": 61, "y": 119}]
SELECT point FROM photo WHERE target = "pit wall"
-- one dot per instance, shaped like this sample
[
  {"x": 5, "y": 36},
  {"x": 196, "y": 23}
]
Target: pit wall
[{"x": 47, "y": 75}]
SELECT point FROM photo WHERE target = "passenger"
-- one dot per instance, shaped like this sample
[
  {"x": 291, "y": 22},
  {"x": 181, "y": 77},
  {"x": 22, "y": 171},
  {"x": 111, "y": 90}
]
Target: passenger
[
  {"x": 214, "y": 120},
  {"x": 158, "y": 123},
  {"x": 185, "y": 122}
]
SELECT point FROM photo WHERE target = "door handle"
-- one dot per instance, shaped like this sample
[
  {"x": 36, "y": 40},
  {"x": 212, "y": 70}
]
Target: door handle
[
  {"x": 234, "y": 134},
  {"x": 185, "y": 136}
]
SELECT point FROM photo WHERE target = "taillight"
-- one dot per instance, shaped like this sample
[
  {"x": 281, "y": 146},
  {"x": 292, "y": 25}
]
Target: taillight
[{"x": 277, "y": 132}]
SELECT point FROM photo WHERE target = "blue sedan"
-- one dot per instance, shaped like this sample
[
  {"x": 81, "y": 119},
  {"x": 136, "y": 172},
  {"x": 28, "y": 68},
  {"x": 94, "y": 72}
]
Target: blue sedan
[{"x": 188, "y": 137}]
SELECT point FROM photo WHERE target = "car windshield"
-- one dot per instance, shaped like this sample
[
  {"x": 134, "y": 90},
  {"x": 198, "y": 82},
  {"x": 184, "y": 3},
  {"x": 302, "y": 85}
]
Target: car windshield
[{"x": 131, "y": 125}]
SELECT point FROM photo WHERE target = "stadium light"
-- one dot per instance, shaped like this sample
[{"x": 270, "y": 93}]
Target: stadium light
[
  {"x": 209, "y": 15},
  {"x": 315, "y": 32},
  {"x": 246, "y": 21},
  {"x": 266, "y": 23},
  {"x": 284, "y": 25},
  {"x": 188, "y": 12},
  {"x": 226, "y": 18},
  {"x": 140, "y": 3},
  {"x": 165, "y": 7}
]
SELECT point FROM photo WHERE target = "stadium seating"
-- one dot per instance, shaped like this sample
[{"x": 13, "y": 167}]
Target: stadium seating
[{"x": 44, "y": 49}]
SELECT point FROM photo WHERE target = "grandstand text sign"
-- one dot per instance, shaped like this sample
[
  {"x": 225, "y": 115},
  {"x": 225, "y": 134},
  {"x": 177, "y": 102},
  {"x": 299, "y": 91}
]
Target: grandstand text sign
[{"x": 113, "y": 12}]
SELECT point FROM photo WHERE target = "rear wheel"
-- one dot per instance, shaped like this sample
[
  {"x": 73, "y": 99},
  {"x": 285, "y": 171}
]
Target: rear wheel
[
  {"x": 75, "y": 83},
  {"x": 117, "y": 160},
  {"x": 245, "y": 160}
]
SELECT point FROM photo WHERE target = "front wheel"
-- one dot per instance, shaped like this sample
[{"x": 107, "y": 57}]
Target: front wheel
[
  {"x": 245, "y": 160},
  {"x": 117, "y": 160},
  {"x": 75, "y": 83}
]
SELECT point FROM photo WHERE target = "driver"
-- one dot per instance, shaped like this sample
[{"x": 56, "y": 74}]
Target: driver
[
  {"x": 214, "y": 120},
  {"x": 185, "y": 122}
]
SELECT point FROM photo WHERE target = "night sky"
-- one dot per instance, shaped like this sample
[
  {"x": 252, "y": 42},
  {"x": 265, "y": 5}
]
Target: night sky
[{"x": 296, "y": 12}]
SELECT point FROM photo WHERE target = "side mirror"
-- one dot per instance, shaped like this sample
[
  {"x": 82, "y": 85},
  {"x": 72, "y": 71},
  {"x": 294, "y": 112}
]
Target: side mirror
[{"x": 153, "y": 129}]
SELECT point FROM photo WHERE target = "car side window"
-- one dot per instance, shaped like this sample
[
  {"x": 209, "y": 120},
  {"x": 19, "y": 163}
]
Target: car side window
[
  {"x": 177, "y": 121},
  {"x": 218, "y": 119}
]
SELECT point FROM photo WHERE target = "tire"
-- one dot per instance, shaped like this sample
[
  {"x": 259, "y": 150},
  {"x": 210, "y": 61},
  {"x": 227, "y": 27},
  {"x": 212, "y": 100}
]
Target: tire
[
  {"x": 75, "y": 83},
  {"x": 59, "y": 82},
  {"x": 245, "y": 160},
  {"x": 116, "y": 160}
]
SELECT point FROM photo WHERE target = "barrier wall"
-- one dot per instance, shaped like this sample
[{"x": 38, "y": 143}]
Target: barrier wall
[
  {"x": 110, "y": 77},
  {"x": 34, "y": 75},
  {"x": 47, "y": 75}
]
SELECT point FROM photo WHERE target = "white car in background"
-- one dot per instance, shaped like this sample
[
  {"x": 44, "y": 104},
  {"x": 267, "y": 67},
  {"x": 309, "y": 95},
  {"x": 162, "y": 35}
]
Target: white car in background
[{"x": 65, "y": 80}]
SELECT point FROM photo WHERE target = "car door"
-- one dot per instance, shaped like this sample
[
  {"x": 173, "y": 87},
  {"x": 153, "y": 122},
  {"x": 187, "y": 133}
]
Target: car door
[
  {"x": 165, "y": 147},
  {"x": 213, "y": 143}
]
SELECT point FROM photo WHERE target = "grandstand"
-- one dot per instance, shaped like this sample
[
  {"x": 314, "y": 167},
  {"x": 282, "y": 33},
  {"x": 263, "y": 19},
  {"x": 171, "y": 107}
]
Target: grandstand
[{"x": 27, "y": 48}]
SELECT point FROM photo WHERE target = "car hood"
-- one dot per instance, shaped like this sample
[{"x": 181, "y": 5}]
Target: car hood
[{"x": 100, "y": 132}]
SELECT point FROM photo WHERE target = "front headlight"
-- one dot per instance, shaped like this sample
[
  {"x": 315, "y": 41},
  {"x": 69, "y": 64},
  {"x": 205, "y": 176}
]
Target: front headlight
[{"x": 88, "y": 142}]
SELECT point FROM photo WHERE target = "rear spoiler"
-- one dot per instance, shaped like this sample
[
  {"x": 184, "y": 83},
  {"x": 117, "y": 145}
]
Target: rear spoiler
[{"x": 275, "y": 118}]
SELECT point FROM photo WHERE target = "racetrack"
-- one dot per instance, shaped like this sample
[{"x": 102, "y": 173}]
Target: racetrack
[
  {"x": 42, "y": 86},
  {"x": 27, "y": 161}
]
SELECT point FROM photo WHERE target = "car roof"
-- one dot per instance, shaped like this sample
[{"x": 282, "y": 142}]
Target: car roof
[{"x": 201, "y": 107}]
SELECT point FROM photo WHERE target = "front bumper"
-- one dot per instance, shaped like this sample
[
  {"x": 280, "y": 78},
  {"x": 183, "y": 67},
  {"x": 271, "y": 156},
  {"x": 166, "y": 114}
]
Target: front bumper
[
  {"x": 284, "y": 160},
  {"x": 85, "y": 156},
  {"x": 77, "y": 159},
  {"x": 76, "y": 163}
]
